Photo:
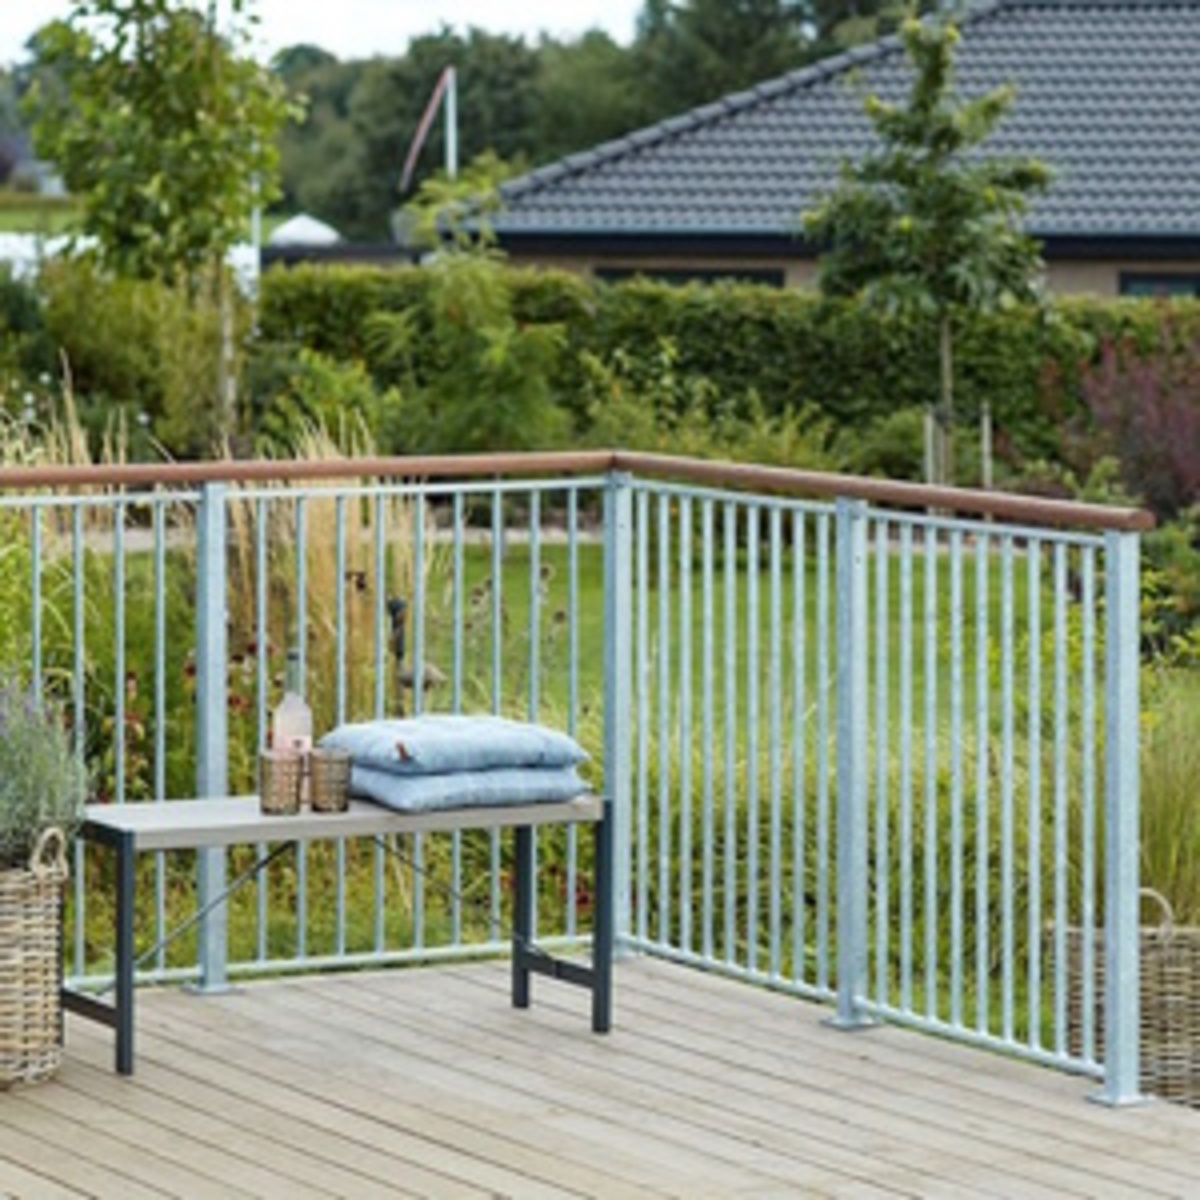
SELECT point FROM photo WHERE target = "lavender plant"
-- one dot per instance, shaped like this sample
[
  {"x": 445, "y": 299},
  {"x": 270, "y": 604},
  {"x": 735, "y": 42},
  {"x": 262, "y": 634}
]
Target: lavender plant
[{"x": 42, "y": 781}]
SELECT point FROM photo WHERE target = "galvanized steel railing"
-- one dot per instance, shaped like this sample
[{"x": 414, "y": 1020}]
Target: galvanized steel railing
[{"x": 860, "y": 748}]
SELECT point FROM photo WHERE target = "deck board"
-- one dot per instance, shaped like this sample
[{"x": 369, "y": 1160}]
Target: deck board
[{"x": 426, "y": 1083}]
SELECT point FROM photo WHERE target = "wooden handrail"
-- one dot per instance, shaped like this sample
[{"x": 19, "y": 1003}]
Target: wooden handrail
[
  {"x": 1007, "y": 505},
  {"x": 775, "y": 480}
]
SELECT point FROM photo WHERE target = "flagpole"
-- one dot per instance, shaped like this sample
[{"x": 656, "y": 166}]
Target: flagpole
[{"x": 451, "y": 123}]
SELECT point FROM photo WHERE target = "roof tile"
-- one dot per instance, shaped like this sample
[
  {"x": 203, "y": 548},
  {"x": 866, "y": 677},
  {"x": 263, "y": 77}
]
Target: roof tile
[{"x": 1108, "y": 93}]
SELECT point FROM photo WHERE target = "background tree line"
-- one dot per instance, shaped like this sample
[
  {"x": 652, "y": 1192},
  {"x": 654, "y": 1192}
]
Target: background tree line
[
  {"x": 529, "y": 103},
  {"x": 532, "y": 103}
]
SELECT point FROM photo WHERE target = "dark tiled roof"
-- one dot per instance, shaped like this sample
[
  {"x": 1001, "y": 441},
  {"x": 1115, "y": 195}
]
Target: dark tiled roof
[{"x": 1108, "y": 94}]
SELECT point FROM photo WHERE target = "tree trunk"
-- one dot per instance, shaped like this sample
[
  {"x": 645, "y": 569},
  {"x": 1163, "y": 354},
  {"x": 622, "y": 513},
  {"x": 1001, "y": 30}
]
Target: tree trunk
[{"x": 946, "y": 409}]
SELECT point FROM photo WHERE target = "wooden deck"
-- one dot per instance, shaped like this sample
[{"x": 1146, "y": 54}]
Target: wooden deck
[{"x": 425, "y": 1083}]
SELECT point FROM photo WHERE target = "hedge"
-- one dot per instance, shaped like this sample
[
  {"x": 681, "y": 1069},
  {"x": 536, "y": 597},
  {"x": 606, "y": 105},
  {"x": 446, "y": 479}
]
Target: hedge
[{"x": 789, "y": 347}]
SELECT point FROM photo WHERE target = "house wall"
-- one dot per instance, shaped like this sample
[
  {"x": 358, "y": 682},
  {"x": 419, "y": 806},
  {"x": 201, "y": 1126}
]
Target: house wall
[
  {"x": 1104, "y": 278},
  {"x": 1063, "y": 277}
]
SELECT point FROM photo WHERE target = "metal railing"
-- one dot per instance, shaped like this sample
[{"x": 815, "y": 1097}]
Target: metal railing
[{"x": 868, "y": 742}]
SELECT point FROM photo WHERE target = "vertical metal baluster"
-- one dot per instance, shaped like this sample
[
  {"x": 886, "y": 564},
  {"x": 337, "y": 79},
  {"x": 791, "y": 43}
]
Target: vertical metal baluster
[
  {"x": 35, "y": 602},
  {"x": 643, "y": 711},
  {"x": 1061, "y": 721},
  {"x": 752, "y": 667},
  {"x": 458, "y": 586},
  {"x": 956, "y": 778},
  {"x": 119, "y": 670},
  {"x": 340, "y": 636},
  {"x": 685, "y": 724},
  {"x": 160, "y": 718},
  {"x": 79, "y": 718},
  {"x": 853, "y": 809},
  {"x": 497, "y": 667},
  {"x": 572, "y": 692},
  {"x": 1087, "y": 885},
  {"x": 535, "y": 638},
  {"x": 729, "y": 847},
  {"x": 664, "y": 722},
  {"x": 535, "y": 602},
  {"x": 417, "y": 614},
  {"x": 1122, "y": 802},
  {"x": 379, "y": 877},
  {"x": 261, "y": 647},
  {"x": 1007, "y": 754},
  {"x": 456, "y": 700},
  {"x": 906, "y": 766},
  {"x": 1034, "y": 885},
  {"x": 823, "y": 686},
  {"x": 381, "y": 586},
  {"x": 302, "y": 649},
  {"x": 931, "y": 772},
  {"x": 618, "y": 697},
  {"x": 707, "y": 723},
  {"x": 983, "y": 552},
  {"x": 341, "y": 649},
  {"x": 775, "y": 739},
  {"x": 799, "y": 743},
  {"x": 883, "y": 865}
]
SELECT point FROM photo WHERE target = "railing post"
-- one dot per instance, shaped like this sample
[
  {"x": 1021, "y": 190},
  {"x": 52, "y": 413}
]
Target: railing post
[
  {"x": 618, "y": 685},
  {"x": 852, "y": 704},
  {"x": 212, "y": 750},
  {"x": 1121, "y": 804}
]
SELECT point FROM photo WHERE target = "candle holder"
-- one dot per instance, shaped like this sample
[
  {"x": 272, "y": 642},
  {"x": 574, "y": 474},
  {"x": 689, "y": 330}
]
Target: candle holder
[
  {"x": 279, "y": 776},
  {"x": 329, "y": 780}
]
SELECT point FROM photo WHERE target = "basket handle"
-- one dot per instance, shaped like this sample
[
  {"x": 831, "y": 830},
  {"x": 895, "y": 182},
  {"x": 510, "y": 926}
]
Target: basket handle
[
  {"x": 49, "y": 856},
  {"x": 1167, "y": 915}
]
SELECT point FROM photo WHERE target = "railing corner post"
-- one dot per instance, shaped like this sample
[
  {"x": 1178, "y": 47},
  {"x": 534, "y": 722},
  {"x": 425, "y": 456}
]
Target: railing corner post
[
  {"x": 1121, "y": 820},
  {"x": 212, "y": 751},
  {"x": 852, "y": 709},
  {"x": 618, "y": 685}
]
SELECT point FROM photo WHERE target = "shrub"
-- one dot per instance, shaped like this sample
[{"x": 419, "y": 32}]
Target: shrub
[
  {"x": 787, "y": 348},
  {"x": 480, "y": 378},
  {"x": 42, "y": 783},
  {"x": 141, "y": 347},
  {"x": 1143, "y": 407}
]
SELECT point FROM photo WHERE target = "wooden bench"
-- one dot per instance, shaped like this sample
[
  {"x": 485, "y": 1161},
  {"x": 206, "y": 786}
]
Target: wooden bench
[{"x": 202, "y": 824}]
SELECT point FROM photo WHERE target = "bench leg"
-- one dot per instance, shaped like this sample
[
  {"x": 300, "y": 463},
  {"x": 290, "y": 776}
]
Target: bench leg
[
  {"x": 522, "y": 916},
  {"x": 602, "y": 933},
  {"x": 124, "y": 953}
]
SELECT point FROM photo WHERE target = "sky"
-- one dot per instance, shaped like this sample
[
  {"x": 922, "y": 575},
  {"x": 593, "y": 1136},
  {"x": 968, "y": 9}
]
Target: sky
[{"x": 361, "y": 28}]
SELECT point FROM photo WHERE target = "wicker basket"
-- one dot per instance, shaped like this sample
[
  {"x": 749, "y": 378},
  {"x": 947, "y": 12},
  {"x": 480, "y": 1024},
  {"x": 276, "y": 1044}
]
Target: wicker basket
[
  {"x": 30, "y": 963},
  {"x": 1169, "y": 968}
]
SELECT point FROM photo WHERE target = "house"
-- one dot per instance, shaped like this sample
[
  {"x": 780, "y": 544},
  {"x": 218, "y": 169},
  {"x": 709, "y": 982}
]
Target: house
[{"x": 1108, "y": 94}]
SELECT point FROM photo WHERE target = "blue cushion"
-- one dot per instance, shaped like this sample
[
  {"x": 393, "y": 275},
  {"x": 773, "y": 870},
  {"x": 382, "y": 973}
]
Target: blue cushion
[
  {"x": 466, "y": 789},
  {"x": 438, "y": 745}
]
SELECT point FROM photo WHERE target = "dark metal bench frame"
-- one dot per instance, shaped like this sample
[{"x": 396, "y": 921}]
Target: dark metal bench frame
[{"x": 203, "y": 824}]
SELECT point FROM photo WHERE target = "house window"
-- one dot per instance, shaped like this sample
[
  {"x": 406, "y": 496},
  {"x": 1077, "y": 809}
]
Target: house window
[
  {"x": 1160, "y": 285},
  {"x": 682, "y": 275}
]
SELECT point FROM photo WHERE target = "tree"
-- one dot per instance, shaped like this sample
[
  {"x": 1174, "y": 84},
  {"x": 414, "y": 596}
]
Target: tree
[
  {"x": 162, "y": 125},
  {"x": 699, "y": 50},
  {"x": 925, "y": 225},
  {"x": 843, "y": 23},
  {"x": 588, "y": 93},
  {"x": 497, "y": 107}
]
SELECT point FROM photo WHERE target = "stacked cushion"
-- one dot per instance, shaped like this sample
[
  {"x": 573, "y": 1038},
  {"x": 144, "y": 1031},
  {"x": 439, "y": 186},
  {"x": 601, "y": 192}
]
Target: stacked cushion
[{"x": 421, "y": 764}]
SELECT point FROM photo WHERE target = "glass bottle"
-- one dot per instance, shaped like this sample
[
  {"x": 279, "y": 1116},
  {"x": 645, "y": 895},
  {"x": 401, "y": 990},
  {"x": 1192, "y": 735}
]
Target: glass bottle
[{"x": 292, "y": 721}]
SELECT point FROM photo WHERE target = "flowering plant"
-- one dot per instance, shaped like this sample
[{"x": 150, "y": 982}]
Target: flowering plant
[{"x": 42, "y": 781}]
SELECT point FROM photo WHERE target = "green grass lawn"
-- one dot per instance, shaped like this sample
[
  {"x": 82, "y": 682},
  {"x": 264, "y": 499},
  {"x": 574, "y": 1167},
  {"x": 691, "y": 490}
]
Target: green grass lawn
[
  {"x": 20, "y": 214},
  {"x": 47, "y": 216}
]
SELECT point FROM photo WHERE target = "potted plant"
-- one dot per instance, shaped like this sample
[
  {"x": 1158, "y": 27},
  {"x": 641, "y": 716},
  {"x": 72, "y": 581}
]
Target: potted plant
[{"x": 42, "y": 792}]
